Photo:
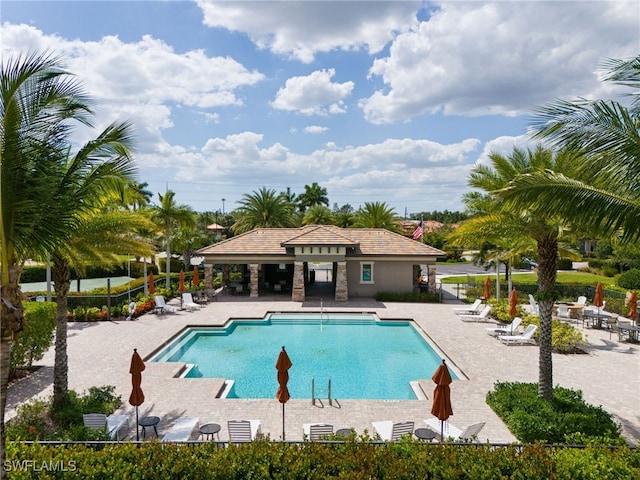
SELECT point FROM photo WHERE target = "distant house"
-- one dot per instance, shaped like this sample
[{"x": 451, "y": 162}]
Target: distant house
[{"x": 358, "y": 262}]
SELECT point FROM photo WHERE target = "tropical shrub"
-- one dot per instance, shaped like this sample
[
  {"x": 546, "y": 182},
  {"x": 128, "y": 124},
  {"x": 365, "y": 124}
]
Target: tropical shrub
[
  {"x": 564, "y": 337},
  {"x": 409, "y": 297},
  {"x": 534, "y": 419},
  {"x": 630, "y": 279},
  {"x": 36, "y": 336}
]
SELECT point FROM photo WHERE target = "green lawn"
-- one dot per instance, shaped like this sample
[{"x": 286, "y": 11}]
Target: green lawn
[{"x": 575, "y": 278}]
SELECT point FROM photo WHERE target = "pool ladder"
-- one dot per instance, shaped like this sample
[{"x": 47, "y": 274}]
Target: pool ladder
[{"x": 313, "y": 391}]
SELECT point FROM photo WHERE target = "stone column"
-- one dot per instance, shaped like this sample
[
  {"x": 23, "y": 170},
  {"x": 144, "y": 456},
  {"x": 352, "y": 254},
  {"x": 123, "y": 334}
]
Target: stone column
[
  {"x": 342, "y": 288},
  {"x": 253, "y": 279},
  {"x": 298, "y": 293},
  {"x": 432, "y": 278},
  {"x": 208, "y": 276}
]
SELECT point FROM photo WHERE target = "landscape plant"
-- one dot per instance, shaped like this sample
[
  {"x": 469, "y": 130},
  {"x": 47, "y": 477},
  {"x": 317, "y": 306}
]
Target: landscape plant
[{"x": 35, "y": 337}]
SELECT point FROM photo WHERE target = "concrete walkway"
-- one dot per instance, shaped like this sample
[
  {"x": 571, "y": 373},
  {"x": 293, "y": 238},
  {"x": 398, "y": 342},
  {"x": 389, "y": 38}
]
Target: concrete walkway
[{"x": 100, "y": 353}]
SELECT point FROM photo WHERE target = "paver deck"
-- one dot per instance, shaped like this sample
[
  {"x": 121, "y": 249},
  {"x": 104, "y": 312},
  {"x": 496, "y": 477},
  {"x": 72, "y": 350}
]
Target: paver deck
[{"x": 100, "y": 353}]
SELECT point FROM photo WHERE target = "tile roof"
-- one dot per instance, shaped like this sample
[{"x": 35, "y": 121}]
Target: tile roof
[{"x": 364, "y": 241}]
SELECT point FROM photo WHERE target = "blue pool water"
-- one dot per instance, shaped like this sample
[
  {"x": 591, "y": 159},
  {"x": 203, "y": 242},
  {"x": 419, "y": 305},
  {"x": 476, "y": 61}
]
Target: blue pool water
[{"x": 365, "y": 358}]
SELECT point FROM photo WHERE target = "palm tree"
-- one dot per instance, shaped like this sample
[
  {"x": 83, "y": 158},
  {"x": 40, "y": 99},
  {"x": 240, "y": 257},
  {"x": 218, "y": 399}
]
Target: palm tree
[
  {"x": 376, "y": 215},
  {"x": 169, "y": 214},
  {"x": 318, "y": 215},
  {"x": 343, "y": 216},
  {"x": 264, "y": 208},
  {"x": 39, "y": 102},
  {"x": 604, "y": 199},
  {"x": 99, "y": 239},
  {"x": 313, "y": 195},
  {"x": 495, "y": 220}
]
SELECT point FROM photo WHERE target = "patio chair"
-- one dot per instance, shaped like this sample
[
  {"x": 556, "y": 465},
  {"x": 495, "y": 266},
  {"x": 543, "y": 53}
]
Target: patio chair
[
  {"x": 389, "y": 431},
  {"x": 181, "y": 430},
  {"x": 161, "y": 305},
  {"x": 472, "y": 309},
  {"x": 111, "y": 424},
  {"x": 317, "y": 431},
  {"x": 483, "y": 316},
  {"x": 243, "y": 430},
  {"x": 525, "y": 338},
  {"x": 563, "y": 313},
  {"x": 507, "y": 329},
  {"x": 534, "y": 305},
  {"x": 467, "y": 434},
  {"x": 188, "y": 303}
]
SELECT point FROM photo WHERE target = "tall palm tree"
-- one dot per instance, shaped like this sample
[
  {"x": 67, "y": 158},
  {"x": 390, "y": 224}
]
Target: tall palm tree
[
  {"x": 495, "y": 220},
  {"x": 318, "y": 215},
  {"x": 313, "y": 195},
  {"x": 606, "y": 197},
  {"x": 376, "y": 215},
  {"x": 264, "y": 208},
  {"x": 98, "y": 240},
  {"x": 169, "y": 214},
  {"x": 39, "y": 104}
]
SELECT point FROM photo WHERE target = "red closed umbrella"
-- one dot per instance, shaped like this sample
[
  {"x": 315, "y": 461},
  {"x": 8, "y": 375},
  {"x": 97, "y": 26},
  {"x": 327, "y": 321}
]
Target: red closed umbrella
[
  {"x": 196, "y": 277},
  {"x": 598, "y": 299},
  {"x": 181, "y": 284},
  {"x": 633, "y": 306},
  {"x": 487, "y": 288},
  {"x": 283, "y": 365},
  {"x": 513, "y": 303},
  {"x": 152, "y": 285},
  {"x": 137, "y": 396},
  {"x": 441, "y": 406}
]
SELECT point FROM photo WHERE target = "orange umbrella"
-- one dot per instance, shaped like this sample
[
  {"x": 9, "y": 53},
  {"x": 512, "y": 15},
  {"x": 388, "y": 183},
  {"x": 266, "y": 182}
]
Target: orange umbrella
[
  {"x": 196, "y": 277},
  {"x": 181, "y": 284},
  {"x": 513, "y": 303},
  {"x": 633, "y": 305},
  {"x": 597, "y": 300},
  {"x": 283, "y": 365},
  {"x": 441, "y": 406},
  {"x": 137, "y": 396},
  {"x": 487, "y": 288},
  {"x": 152, "y": 285}
]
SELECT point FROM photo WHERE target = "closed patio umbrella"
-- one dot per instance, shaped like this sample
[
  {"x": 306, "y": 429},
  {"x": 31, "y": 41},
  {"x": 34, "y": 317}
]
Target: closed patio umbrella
[
  {"x": 513, "y": 303},
  {"x": 487, "y": 288},
  {"x": 441, "y": 406},
  {"x": 598, "y": 300},
  {"x": 196, "y": 277},
  {"x": 283, "y": 365},
  {"x": 181, "y": 284},
  {"x": 137, "y": 396},
  {"x": 152, "y": 285},
  {"x": 633, "y": 306}
]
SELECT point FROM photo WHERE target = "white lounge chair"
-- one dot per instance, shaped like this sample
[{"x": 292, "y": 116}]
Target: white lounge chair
[
  {"x": 507, "y": 329},
  {"x": 562, "y": 312},
  {"x": 472, "y": 309},
  {"x": 467, "y": 434},
  {"x": 188, "y": 303},
  {"x": 389, "y": 431},
  {"x": 161, "y": 305},
  {"x": 243, "y": 430},
  {"x": 317, "y": 431},
  {"x": 483, "y": 316},
  {"x": 181, "y": 430},
  {"x": 534, "y": 305},
  {"x": 524, "y": 338},
  {"x": 111, "y": 424}
]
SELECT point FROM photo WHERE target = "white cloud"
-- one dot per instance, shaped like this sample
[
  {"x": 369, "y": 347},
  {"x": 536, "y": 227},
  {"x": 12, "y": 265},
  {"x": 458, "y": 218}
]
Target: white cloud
[
  {"x": 315, "y": 129},
  {"x": 314, "y": 94},
  {"x": 300, "y": 29},
  {"x": 476, "y": 58}
]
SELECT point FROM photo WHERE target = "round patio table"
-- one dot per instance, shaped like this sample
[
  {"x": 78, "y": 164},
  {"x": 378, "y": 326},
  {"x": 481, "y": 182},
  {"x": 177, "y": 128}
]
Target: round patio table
[
  {"x": 210, "y": 429},
  {"x": 145, "y": 422},
  {"x": 425, "y": 434}
]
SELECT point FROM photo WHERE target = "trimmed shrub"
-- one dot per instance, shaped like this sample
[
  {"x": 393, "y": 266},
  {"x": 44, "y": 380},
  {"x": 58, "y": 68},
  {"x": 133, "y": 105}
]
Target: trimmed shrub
[
  {"x": 630, "y": 279},
  {"x": 565, "y": 264},
  {"x": 564, "y": 337},
  {"x": 409, "y": 297},
  {"x": 36, "y": 336},
  {"x": 534, "y": 419}
]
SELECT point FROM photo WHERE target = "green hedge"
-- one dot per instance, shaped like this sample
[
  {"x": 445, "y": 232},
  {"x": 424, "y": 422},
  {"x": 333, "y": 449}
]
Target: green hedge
[
  {"x": 35, "y": 337},
  {"x": 409, "y": 297},
  {"x": 352, "y": 460}
]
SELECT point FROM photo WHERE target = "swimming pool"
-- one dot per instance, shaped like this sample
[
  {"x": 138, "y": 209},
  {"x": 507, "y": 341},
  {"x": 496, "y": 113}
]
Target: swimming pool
[{"x": 365, "y": 358}]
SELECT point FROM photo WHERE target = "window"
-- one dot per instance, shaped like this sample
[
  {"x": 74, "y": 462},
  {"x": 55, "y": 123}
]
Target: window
[{"x": 366, "y": 272}]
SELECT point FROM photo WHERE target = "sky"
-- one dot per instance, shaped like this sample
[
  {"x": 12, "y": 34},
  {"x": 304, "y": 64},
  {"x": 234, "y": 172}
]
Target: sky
[{"x": 375, "y": 101}]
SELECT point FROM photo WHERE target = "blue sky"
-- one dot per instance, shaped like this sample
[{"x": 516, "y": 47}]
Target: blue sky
[{"x": 376, "y": 101}]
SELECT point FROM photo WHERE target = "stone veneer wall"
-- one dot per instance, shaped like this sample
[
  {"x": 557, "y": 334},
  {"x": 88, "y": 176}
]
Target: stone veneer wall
[
  {"x": 342, "y": 288},
  {"x": 208, "y": 276},
  {"x": 253, "y": 279},
  {"x": 298, "y": 294}
]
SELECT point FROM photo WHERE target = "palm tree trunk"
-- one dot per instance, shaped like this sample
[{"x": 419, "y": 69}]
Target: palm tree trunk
[
  {"x": 547, "y": 269},
  {"x": 167, "y": 239},
  {"x": 11, "y": 315},
  {"x": 62, "y": 281}
]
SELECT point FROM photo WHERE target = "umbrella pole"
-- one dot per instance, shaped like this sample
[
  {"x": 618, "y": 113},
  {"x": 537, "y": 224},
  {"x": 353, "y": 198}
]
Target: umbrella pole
[
  {"x": 137, "y": 426},
  {"x": 283, "y": 422},
  {"x": 441, "y": 431}
]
